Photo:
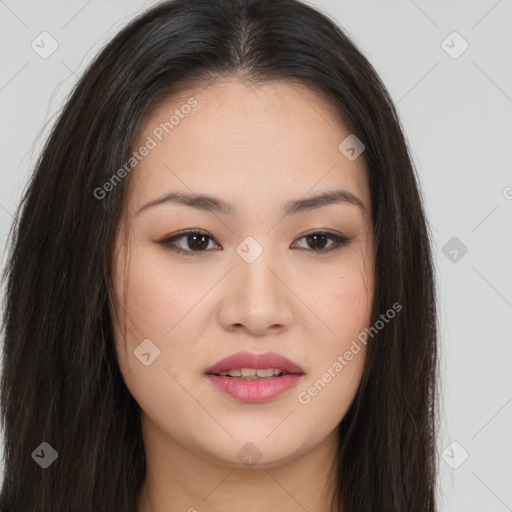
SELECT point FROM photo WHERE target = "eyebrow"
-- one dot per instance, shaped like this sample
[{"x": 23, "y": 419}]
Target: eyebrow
[{"x": 212, "y": 204}]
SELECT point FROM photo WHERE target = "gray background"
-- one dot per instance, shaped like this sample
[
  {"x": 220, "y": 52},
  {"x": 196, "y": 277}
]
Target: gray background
[{"x": 456, "y": 113}]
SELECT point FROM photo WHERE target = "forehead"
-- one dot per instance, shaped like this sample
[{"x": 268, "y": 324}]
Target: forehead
[{"x": 246, "y": 143}]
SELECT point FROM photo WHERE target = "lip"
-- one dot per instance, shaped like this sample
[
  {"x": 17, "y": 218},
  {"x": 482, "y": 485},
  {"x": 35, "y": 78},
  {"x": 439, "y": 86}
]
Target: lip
[
  {"x": 258, "y": 361},
  {"x": 257, "y": 390}
]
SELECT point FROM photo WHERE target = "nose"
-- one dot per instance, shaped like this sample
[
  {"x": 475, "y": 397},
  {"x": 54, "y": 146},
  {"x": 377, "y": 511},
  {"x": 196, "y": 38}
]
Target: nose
[{"x": 256, "y": 298}]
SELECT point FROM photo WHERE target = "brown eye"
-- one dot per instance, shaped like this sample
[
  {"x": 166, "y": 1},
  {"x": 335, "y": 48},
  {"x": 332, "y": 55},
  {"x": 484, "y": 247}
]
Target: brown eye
[
  {"x": 318, "y": 241},
  {"x": 191, "y": 241},
  {"x": 198, "y": 242}
]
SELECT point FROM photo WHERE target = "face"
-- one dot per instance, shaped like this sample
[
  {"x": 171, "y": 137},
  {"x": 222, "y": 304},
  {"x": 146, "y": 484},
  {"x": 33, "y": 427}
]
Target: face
[{"x": 257, "y": 268}]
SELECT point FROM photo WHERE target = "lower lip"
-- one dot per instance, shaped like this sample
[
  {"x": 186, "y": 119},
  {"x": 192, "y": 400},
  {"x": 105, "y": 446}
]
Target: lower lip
[{"x": 255, "y": 390}]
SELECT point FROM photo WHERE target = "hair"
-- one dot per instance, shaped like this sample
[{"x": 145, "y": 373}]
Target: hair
[{"x": 61, "y": 382}]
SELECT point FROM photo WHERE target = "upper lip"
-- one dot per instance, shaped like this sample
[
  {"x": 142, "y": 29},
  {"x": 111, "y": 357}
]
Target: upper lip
[{"x": 258, "y": 361}]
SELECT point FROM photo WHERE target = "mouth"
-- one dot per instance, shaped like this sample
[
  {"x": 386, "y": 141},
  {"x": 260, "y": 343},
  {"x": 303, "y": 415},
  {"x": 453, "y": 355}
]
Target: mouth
[
  {"x": 251, "y": 377},
  {"x": 253, "y": 373}
]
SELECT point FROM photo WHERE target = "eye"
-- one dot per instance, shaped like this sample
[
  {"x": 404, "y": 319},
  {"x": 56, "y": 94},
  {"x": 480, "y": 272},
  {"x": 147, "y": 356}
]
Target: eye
[
  {"x": 318, "y": 240},
  {"x": 199, "y": 241}
]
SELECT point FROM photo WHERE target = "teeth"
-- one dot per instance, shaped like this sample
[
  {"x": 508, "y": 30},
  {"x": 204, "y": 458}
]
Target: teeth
[
  {"x": 269, "y": 372},
  {"x": 253, "y": 373}
]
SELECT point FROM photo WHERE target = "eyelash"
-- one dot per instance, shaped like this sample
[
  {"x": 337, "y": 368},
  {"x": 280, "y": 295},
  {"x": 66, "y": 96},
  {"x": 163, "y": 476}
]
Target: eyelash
[{"x": 338, "y": 242}]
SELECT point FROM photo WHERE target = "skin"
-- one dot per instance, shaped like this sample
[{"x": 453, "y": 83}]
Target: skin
[{"x": 255, "y": 147}]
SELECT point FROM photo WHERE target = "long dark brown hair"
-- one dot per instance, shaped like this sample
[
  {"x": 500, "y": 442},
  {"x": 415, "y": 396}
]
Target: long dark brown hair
[{"x": 61, "y": 383}]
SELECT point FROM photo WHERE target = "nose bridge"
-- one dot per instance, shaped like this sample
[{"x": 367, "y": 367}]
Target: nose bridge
[
  {"x": 255, "y": 262},
  {"x": 256, "y": 298}
]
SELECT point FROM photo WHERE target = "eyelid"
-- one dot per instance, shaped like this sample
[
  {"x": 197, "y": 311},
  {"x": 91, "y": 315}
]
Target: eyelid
[
  {"x": 338, "y": 241},
  {"x": 166, "y": 241}
]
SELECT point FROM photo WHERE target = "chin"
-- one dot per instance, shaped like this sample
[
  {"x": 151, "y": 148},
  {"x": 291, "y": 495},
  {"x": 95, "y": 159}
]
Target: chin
[{"x": 258, "y": 452}]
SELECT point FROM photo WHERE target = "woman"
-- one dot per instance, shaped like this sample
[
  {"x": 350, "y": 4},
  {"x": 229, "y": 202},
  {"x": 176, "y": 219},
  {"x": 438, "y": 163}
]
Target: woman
[{"x": 220, "y": 290}]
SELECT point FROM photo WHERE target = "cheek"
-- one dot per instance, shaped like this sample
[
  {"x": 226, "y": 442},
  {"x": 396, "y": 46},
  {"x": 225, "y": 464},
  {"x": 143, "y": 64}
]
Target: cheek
[
  {"x": 337, "y": 363},
  {"x": 343, "y": 301},
  {"x": 326, "y": 397},
  {"x": 155, "y": 294},
  {"x": 152, "y": 298},
  {"x": 338, "y": 360},
  {"x": 159, "y": 304}
]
